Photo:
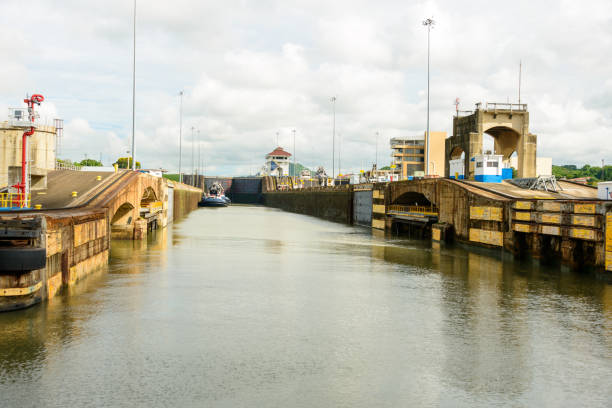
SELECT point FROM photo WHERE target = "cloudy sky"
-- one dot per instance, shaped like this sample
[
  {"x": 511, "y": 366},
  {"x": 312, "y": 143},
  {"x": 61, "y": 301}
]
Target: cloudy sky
[{"x": 250, "y": 69}]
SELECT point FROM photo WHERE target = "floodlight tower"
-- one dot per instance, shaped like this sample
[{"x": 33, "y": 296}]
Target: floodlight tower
[
  {"x": 23, "y": 187},
  {"x": 429, "y": 23}
]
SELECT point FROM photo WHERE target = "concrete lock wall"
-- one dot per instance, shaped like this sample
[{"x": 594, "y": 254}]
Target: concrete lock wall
[
  {"x": 186, "y": 199},
  {"x": 75, "y": 244},
  {"x": 334, "y": 204}
]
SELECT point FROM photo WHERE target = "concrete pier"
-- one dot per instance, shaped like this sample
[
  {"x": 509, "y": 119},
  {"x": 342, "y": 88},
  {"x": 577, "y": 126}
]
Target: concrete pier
[
  {"x": 573, "y": 226},
  {"x": 75, "y": 241}
]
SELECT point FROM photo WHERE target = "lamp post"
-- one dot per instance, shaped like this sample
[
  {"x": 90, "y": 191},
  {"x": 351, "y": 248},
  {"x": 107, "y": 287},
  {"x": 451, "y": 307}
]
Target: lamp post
[
  {"x": 180, "y": 135},
  {"x": 192, "y": 152},
  {"x": 429, "y": 23},
  {"x": 376, "y": 151},
  {"x": 333, "y": 100},
  {"x": 294, "y": 168},
  {"x": 199, "y": 160},
  {"x": 134, "y": 93},
  {"x": 339, "y": 154}
]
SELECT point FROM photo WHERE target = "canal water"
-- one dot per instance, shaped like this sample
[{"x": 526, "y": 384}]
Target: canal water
[{"x": 253, "y": 307}]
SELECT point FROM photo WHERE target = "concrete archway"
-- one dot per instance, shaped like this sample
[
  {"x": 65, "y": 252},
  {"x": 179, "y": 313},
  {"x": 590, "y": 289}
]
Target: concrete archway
[
  {"x": 122, "y": 222},
  {"x": 505, "y": 140},
  {"x": 507, "y": 123}
]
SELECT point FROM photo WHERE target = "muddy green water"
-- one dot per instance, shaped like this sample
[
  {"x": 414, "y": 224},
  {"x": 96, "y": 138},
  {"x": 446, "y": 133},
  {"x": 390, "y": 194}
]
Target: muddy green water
[{"x": 253, "y": 307}]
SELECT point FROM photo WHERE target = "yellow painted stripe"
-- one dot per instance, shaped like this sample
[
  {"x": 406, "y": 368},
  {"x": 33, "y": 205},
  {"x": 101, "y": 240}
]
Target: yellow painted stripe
[
  {"x": 582, "y": 233},
  {"x": 486, "y": 213},
  {"x": 608, "y": 261},
  {"x": 609, "y": 232},
  {"x": 435, "y": 234},
  {"x": 378, "y": 208},
  {"x": 584, "y": 208},
  {"x": 584, "y": 220},
  {"x": 523, "y": 205},
  {"x": 521, "y": 227},
  {"x": 522, "y": 216},
  {"x": 378, "y": 224},
  {"x": 487, "y": 237},
  {"x": 20, "y": 291},
  {"x": 551, "y": 218}
]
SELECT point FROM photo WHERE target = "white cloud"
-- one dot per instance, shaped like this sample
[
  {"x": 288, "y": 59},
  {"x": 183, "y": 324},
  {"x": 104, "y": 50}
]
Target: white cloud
[{"x": 252, "y": 69}]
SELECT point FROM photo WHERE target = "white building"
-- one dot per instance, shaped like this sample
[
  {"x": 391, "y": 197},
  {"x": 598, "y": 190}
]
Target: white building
[
  {"x": 604, "y": 190},
  {"x": 456, "y": 169},
  {"x": 489, "y": 168},
  {"x": 277, "y": 162}
]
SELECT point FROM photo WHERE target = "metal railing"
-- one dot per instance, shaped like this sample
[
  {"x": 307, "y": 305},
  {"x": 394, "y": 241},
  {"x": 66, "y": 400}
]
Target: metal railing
[
  {"x": 421, "y": 209},
  {"x": 519, "y": 107},
  {"x": 15, "y": 200},
  {"x": 65, "y": 166}
]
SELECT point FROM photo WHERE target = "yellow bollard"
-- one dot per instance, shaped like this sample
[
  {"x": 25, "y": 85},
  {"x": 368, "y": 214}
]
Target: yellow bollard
[
  {"x": 38, "y": 206},
  {"x": 74, "y": 193},
  {"x": 98, "y": 178}
]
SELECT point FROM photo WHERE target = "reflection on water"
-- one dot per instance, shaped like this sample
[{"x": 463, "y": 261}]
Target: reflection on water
[{"x": 250, "y": 306}]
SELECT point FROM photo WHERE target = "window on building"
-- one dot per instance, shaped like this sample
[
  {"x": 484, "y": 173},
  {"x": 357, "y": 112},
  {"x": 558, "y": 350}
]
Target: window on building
[
  {"x": 479, "y": 164},
  {"x": 492, "y": 164},
  {"x": 421, "y": 151}
]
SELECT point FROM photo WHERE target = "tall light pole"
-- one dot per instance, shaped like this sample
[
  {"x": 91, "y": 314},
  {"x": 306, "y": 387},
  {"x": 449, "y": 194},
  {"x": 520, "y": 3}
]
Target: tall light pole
[
  {"x": 294, "y": 168},
  {"x": 134, "y": 94},
  {"x": 192, "y": 152},
  {"x": 339, "y": 154},
  {"x": 199, "y": 161},
  {"x": 180, "y": 135},
  {"x": 376, "y": 150},
  {"x": 429, "y": 23},
  {"x": 333, "y": 100}
]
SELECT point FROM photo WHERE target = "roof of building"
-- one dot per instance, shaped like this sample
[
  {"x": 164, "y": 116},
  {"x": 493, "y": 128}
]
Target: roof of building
[{"x": 279, "y": 152}]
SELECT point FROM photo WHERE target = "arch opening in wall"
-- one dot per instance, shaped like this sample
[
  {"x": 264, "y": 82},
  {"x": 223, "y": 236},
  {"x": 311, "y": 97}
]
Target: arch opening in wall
[
  {"x": 412, "y": 199},
  {"x": 148, "y": 196},
  {"x": 456, "y": 163},
  {"x": 500, "y": 140},
  {"x": 123, "y": 216}
]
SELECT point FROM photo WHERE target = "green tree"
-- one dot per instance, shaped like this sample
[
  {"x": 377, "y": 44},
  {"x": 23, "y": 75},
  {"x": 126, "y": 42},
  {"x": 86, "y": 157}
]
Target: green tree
[
  {"x": 89, "y": 162},
  {"x": 126, "y": 163}
]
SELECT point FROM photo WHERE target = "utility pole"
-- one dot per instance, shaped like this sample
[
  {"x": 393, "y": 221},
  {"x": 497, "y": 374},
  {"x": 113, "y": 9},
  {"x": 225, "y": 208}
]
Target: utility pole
[
  {"x": 294, "y": 168},
  {"x": 339, "y": 154},
  {"x": 429, "y": 23},
  {"x": 180, "y": 135},
  {"x": 602, "y": 169},
  {"x": 333, "y": 100},
  {"x": 520, "y": 74},
  {"x": 199, "y": 161},
  {"x": 134, "y": 94},
  {"x": 192, "y": 152},
  {"x": 376, "y": 151}
]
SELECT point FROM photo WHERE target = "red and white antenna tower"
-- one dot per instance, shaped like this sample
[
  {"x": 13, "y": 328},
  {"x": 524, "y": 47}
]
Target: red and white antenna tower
[
  {"x": 23, "y": 188},
  {"x": 457, "y": 106}
]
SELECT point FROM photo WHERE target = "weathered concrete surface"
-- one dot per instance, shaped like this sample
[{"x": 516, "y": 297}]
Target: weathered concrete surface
[
  {"x": 76, "y": 244},
  {"x": 186, "y": 199},
  {"x": 61, "y": 184},
  {"x": 578, "y": 232},
  {"x": 510, "y": 130},
  {"x": 77, "y": 240},
  {"x": 334, "y": 203}
]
